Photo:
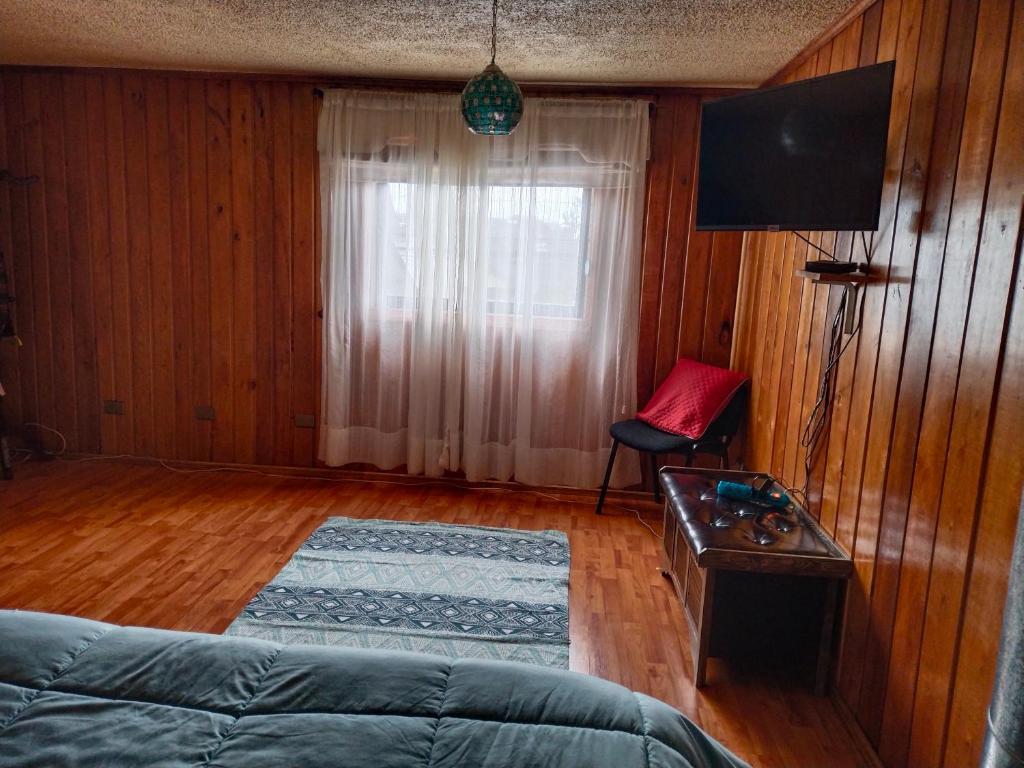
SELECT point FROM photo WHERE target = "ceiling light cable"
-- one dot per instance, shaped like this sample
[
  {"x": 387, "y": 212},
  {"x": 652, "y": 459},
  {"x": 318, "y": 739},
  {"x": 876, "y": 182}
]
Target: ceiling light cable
[{"x": 494, "y": 31}]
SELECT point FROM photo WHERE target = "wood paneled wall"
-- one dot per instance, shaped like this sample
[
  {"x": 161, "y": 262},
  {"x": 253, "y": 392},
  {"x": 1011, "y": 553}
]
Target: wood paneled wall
[
  {"x": 920, "y": 474},
  {"x": 168, "y": 259},
  {"x": 165, "y": 259}
]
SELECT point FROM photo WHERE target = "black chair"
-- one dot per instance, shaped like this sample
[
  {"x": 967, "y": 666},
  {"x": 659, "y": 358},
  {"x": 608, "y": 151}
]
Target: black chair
[{"x": 644, "y": 438}]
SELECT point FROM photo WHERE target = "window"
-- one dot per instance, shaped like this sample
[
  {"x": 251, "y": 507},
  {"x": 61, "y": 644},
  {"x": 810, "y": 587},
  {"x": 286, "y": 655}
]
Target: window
[
  {"x": 480, "y": 294},
  {"x": 556, "y": 244}
]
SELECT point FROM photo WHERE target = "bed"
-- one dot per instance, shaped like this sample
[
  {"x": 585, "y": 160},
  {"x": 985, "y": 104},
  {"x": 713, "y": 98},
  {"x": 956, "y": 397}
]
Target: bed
[{"x": 75, "y": 692}]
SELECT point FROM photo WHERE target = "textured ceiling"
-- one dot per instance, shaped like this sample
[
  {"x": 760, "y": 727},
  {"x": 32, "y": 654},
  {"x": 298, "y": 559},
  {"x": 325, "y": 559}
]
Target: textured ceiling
[{"x": 710, "y": 42}]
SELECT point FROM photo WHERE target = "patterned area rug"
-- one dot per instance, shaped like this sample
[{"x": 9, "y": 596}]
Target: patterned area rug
[{"x": 452, "y": 590}]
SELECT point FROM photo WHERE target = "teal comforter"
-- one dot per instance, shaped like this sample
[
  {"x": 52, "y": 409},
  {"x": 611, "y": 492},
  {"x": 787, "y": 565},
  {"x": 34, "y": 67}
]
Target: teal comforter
[{"x": 83, "y": 693}]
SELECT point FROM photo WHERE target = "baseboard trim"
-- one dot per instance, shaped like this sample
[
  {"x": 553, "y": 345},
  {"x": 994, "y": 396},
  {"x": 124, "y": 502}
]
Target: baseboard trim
[
  {"x": 857, "y": 736},
  {"x": 641, "y": 501}
]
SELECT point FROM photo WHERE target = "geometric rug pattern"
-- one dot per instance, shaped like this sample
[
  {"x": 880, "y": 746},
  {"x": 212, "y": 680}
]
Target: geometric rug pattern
[
  {"x": 521, "y": 547},
  {"x": 444, "y": 589}
]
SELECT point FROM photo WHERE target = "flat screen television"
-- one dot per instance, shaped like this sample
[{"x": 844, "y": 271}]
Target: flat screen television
[{"x": 804, "y": 156}]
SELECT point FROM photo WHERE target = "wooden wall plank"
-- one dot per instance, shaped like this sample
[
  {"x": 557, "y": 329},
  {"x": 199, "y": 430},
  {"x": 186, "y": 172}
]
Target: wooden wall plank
[
  {"x": 721, "y": 300},
  {"x": 282, "y": 272},
  {"x": 655, "y": 221},
  {"x": 222, "y": 297},
  {"x": 37, "y": 335},
  {"x": 58, "y": 254},
  {"x": 102, "y": 311},
  {"x": 263, "y": 277},
  {"x": 243, "y": 261},
  {"x": 139, "y": 284},
  {"x": 199, "y": 211},
  {"x": 161, "y": 264},
  {"x": 771, "y": 256},
  {"x": 680, "y": 253},
  {"x": 80, "y": 293},
  {"x": 120, "y": 271},
  {"x": 773, "y": 269},
  {"x": 696, "y": 247},
  {"x": 305, "y": 271},
  {"x": 779, "y": 376},
  {"x": 181, "y": 307},
  {"x": 791, "y": 466}
]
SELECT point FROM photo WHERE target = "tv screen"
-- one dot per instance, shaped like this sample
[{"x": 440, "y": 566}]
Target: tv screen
[{"x": 810, "y": 155}]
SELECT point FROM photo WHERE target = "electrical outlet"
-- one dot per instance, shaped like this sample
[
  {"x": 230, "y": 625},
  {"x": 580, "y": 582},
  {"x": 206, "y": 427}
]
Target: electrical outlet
[
  {"x": 205, "y": 413},
  {"x": 114, "y": 407},
  {"x": 305, "y": 420}
]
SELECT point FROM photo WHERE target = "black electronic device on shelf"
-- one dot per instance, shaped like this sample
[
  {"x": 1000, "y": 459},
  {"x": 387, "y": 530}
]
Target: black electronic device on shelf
[{"x": 825, "y": 267}]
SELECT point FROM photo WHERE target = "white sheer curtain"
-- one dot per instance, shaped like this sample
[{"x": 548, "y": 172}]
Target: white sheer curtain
[{"x": 480, "y": 294}]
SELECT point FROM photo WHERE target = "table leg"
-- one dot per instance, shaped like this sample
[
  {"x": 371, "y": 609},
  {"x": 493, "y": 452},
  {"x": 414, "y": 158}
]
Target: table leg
[
  {"x": 828, "y": 620},
  {"x": 703, "y": 644}
]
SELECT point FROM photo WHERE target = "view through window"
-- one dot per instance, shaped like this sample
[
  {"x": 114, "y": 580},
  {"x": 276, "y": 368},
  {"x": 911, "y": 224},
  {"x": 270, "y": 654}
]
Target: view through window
[{"x": 544, "y": 225}]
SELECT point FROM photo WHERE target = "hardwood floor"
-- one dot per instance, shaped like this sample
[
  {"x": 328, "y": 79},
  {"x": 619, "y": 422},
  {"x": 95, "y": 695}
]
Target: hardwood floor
[{"x": 140, "y": 544}]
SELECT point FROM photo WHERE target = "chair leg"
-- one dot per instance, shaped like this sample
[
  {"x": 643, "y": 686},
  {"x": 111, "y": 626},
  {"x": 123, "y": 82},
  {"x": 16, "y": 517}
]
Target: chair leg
[
  {"x": 654, "y": 478},
  {"x": 689, "y": 458},
  {"x": 607, "y": 476},
  {"x": 723, "y": 462}
]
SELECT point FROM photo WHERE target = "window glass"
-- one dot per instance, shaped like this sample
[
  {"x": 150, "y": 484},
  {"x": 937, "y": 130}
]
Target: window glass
[{"x": 547, "y": 225}]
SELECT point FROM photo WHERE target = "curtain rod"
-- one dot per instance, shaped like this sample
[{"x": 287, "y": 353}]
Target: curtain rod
[{"x": 320, "y": 92}]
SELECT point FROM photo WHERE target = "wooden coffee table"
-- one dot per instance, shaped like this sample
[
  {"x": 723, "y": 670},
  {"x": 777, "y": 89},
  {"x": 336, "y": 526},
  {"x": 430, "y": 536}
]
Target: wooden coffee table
[{"x": 753, "y": 581}]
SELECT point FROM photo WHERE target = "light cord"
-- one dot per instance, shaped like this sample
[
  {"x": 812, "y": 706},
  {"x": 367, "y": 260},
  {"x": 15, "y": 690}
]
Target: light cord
[
  {"x": 494, "y": 30},
  {"x": 815, "y": 247}
]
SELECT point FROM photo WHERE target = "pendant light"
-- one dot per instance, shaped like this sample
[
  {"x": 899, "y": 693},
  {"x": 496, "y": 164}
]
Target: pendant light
[{"x": 491, "y": 102}]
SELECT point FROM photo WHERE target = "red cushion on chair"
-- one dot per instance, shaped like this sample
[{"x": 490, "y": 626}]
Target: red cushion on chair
[{"x": 690, "y": 398}]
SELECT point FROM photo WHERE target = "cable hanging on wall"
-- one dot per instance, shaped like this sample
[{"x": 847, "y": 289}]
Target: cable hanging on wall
[{"x": 850, "y": 305}]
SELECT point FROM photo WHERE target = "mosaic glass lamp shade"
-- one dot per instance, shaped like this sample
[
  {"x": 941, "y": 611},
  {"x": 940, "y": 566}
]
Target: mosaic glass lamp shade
[{"x": 492, "y": 103}]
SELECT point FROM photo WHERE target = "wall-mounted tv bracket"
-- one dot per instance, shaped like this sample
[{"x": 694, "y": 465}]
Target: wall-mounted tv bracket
[
  {"x": 850, "y": 274},
  {"x": 853, "y": 281}
]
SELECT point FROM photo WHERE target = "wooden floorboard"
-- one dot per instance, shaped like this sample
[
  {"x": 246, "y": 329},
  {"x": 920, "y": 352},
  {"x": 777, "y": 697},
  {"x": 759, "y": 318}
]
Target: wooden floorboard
[{"x": 143, "y": 545}]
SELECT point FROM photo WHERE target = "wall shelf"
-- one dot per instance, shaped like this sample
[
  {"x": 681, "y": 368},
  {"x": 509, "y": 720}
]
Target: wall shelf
[{"x": 851, "y": 280}]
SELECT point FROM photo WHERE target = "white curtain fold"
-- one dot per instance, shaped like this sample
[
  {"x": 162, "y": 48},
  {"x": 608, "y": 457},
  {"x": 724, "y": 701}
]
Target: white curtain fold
[{"x": 480, "y": 294}]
